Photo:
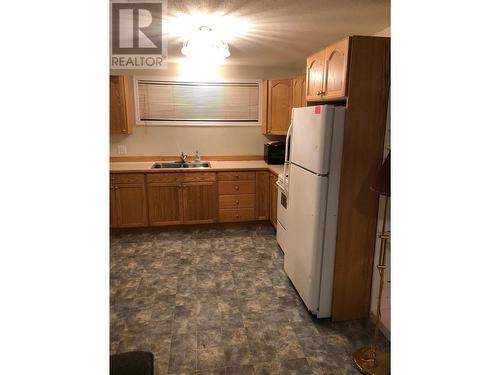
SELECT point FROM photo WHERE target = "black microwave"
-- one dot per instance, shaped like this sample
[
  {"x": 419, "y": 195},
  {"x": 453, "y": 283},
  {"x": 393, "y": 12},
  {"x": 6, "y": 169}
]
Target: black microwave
[{"x": 274, "y": 152}]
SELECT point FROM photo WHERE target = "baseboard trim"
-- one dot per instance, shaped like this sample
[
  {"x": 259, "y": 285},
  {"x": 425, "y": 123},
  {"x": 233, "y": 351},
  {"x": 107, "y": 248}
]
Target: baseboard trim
[{"x": 166, "y": 228}]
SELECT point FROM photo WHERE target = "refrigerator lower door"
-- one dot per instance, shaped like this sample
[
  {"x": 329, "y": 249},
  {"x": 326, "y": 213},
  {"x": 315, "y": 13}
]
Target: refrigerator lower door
[{"x": 304, "y": 233}]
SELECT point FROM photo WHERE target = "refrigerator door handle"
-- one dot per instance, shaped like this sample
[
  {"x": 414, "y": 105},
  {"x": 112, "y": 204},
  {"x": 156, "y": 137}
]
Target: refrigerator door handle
[{"x": 286, "y": 166}]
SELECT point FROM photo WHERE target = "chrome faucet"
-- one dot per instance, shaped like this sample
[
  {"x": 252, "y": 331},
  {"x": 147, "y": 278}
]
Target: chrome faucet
[
  {"x": 183, "y": 157},
  {"x": 197, "y": 157}
]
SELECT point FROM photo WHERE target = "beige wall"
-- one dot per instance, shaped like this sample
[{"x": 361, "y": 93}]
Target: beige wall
[{"x": 209, "y": 140}]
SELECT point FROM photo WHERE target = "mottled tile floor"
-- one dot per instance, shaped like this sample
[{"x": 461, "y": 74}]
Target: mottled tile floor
[{"x": 217, "y": 301}]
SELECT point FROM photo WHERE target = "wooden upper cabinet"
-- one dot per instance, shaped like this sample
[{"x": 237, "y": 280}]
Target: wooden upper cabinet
[
  {"x": 299, "y": 92},
  {"x": 129, "y": 201},
  {"x": 314, "y": 76},
  {"x": 326, "y": 74},
  {"x": 121, "y": 103},
  {"x": 335, "y": 76},
  {"x": 200, "y": 202},
  {"x": 276, "y": 106}
]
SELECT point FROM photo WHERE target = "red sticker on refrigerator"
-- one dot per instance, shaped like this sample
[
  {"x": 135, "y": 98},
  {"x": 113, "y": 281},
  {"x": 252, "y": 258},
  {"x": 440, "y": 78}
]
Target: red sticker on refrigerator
[{"x": 317, "y": 110}]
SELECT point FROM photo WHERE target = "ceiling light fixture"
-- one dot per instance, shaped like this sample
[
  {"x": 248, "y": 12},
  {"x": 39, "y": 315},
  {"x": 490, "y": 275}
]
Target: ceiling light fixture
[{"x": 205, "y": 45}]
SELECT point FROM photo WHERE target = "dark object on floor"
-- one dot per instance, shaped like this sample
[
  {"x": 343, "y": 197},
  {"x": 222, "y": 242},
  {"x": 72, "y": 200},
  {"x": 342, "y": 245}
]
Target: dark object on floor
[{"x": 132, "y": 363}]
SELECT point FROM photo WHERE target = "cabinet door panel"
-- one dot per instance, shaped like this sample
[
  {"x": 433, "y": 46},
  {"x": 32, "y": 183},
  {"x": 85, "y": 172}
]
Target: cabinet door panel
[
  {"x": 336, "y": 70},
  {"x": 121, "y": 113},
  {"x": 273, "y": 199},
  {"x": 131, "y": 205},
  {"x": 200, "y": 202},
  {"x": 299, "y": 92},
  {"x": 165, "y": 204},
  {"x": 279, "y": 106},
  {"x": 112, "y": 208},
  {"x": 262, "y": 196},
  {"x": 314, "y": 76}
]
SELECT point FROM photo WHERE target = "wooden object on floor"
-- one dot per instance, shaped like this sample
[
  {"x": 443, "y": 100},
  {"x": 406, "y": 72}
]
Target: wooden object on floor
[
  {"x": 121, "y": 105},
  {"x": 365, "y": 123}
]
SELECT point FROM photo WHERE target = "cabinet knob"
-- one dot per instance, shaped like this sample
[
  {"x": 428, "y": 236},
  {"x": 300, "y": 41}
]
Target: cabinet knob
[
  {"x": 236, "y": 187},
  {"x": 237, "y": 216},
  {"x": 124, "y": 131},
  {"x": 318, "y": 93},
  {"x": 237, "y": 202},
  {"x": 237, "y": 176}
]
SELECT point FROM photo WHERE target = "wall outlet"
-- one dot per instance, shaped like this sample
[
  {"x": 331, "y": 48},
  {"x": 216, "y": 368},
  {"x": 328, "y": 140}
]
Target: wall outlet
[{"x": 122, "y": 150}]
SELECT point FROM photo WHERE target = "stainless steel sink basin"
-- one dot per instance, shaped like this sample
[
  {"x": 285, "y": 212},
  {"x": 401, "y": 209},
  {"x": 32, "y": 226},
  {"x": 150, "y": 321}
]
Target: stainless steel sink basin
[{"x": 180, "y": 164}]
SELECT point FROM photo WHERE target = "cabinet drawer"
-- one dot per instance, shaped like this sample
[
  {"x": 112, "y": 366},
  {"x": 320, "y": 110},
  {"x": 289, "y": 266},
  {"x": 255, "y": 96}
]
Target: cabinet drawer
[
  {"x": 235, "y": 201},
  {"x": 199, "y": 176},
  {"x": 239, "y": 214},
  {"x": 236, "y": 187},
  {"x": 127, "y": 178},
  {"x": 236, "y": 176},
  {"x": 165, "y": 177}
]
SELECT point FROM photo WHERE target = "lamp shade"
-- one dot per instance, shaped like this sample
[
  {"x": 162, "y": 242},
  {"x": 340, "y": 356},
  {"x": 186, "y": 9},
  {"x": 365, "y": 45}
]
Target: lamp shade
[{"x": 382, "y": 182}]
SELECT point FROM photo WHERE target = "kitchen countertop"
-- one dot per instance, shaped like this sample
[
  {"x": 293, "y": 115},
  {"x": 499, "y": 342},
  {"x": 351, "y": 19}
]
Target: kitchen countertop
[{"x": 216, "y": 166}]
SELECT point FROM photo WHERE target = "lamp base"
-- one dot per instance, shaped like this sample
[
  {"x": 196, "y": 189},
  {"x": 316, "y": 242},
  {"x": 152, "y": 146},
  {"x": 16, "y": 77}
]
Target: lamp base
[{"x": 369, "y": 364}]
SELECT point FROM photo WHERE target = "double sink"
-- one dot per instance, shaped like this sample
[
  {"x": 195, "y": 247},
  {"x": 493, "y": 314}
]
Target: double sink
[{"x": 180, "y": 164}]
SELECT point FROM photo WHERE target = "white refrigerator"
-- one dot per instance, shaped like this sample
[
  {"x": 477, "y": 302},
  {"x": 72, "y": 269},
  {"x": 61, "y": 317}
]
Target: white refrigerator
[{"x": 308, "y": 240}]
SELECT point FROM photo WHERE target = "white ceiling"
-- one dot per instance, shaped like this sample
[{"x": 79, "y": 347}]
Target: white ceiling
[{"x": 283, "y": 32}]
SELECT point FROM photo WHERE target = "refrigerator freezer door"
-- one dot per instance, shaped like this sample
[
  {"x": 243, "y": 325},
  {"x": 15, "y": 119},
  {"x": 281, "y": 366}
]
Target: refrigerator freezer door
[
  {"x": 305, "y": 228},
  {"x": 311, "y": 138}
]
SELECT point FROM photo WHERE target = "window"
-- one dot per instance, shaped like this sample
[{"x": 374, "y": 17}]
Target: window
[{"x": 198, "y": 103}]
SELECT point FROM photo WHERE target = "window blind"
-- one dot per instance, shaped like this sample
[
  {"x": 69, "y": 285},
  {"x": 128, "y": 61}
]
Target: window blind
[{"x": 219, "y": 102}]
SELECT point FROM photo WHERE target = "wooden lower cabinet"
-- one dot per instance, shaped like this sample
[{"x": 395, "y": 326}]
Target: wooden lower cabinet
[
  {"x": 113, "y": 220},
  {"x": 237, "y": 198},
  {"x": 165, "y": 205},
  {"x": 175, "y": 198},
  {"x": 199, "y": 202},
  {"x": 128, "y": 202},
  {"x": 262, "y": 195},
  {"x": 273, "y": 199},
  {"x": 238, "y": 214}
]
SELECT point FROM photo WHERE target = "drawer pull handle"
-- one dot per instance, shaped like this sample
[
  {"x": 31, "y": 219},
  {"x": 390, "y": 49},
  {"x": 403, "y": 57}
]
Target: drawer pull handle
[
  {"x": 236, "y": 187},
  {"x": 237, "y": 176},
  {"x": 237, "y": 202},
  {"x": 237, "y": 216}
]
